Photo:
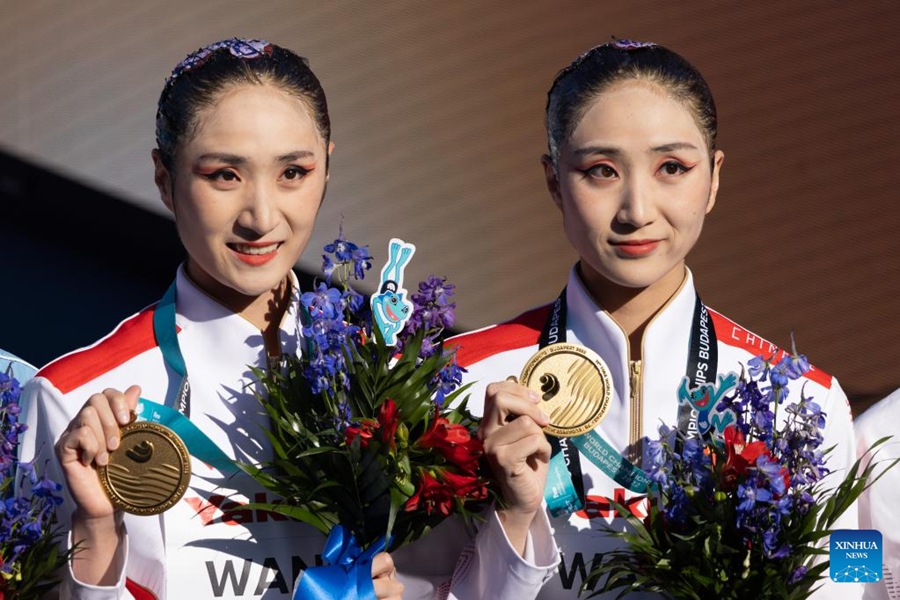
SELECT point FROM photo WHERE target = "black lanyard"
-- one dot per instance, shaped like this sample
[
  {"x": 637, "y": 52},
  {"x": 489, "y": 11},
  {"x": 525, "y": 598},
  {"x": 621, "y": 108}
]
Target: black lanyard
[{"x": 701, "y": 365}]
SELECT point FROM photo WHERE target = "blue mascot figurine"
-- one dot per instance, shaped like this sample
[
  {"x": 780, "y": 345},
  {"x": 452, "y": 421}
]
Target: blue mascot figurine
[{"x": 390, "y": 308}]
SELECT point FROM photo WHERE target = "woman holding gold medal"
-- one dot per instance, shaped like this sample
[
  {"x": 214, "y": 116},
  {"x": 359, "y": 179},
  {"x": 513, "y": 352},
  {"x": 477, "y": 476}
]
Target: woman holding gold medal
[
  {"x": 634, "y": 168},
  {"x": 243, "y": 140}
]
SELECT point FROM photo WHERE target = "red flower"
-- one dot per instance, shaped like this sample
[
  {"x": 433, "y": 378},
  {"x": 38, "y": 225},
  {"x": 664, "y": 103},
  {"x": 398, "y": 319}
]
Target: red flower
[
  {"x": 740, "y": 454},
  {"x": 466, "y": 487},
  {"x": 435, "y": 495},
  {"x": 454, "y": 443},
  {"x": 365, "y": 430},
  {"x": 431, "y": 497},
  {"x": 388, "y": 419}
]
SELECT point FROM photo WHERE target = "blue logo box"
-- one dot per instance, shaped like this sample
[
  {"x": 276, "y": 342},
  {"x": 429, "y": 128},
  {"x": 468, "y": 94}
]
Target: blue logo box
[{"x": 855, "y": 556}]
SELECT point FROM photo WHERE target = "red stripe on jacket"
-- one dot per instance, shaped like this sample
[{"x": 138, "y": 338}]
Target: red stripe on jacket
[
  {"x": 138, "y": 591},
  {"x": 730, "y": 333},
  {"x": 132, "y": 337},
  {"x": 521, "y": 332}
]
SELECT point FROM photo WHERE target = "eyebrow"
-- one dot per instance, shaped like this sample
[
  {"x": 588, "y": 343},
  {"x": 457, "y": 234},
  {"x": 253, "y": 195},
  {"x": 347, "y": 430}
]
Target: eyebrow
[
  {"x": 296, "y": 155},
  {"x": 674, "y": 146},
  {"x": 221, "y": 157},
  {"x": 612, "y": 151},
  {"x": 239, "y": 160},
  {"x": 589, "y": 150}
]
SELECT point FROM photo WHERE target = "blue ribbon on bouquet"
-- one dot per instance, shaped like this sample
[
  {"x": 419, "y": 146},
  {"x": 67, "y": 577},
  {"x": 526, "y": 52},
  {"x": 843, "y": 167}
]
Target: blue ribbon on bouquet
[{"x": 347, "y": 572}]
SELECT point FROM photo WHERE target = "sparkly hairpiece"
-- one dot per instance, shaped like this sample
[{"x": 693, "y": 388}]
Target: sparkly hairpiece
[
  {"x": 630, "y": 44},
  {"x": 239, "y": 47}
]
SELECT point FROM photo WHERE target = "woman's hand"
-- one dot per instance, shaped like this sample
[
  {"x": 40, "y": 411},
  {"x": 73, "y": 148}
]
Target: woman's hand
[
  {"x": 384, "y": 578},
  {"x": 84, "y": 446},
  {"x": 519, "y": 454}
]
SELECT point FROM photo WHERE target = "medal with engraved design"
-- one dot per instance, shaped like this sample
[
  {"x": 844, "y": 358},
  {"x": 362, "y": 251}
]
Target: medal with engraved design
[
  {"x": 149, "y": 471},
  {"x": 575, "y": 387}
]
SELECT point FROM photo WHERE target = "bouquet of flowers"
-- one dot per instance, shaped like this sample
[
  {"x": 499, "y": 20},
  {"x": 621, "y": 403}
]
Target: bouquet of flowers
[
  {"x": 368, "y": 428},
  {"x": 742, "y": 514},
  {"x": 29, "y": 551}
]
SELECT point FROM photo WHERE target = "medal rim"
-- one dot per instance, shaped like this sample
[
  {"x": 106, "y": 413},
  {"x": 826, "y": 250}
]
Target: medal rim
[
  {"x": 180, "y": 449},
  {"x": 586, "y": 354}
]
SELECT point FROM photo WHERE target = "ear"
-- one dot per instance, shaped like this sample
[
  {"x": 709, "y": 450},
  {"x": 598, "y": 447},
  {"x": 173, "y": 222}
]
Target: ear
[
  {"x": 330, "y": 150},
  {"x": 552, "y": 179},
  {"x": 163, "y": 180},
  {"x": 718, "y": 159}
]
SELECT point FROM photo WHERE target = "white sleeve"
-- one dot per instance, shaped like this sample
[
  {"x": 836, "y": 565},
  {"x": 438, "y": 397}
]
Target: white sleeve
[
  {"x": 839, "y": 435},
  {"x": 878, "y": 504},
  {"x": 489, "y": 567},
  {"x": 47, "y": 416},
  {"x": 72, "y": 589}
]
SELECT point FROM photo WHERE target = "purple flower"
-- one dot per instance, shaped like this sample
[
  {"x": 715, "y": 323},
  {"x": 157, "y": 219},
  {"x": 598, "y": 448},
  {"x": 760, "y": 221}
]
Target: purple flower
[
  {"x": 352, "y": 300},
  {"x": 328, "y": 267},
  {"x": 757, "y": 365},
  {"x": 798, "y": 574},
  {"x": 323, "y": 302},
  {"x": 341, "y": 249},
  {"x": 774, "y": 474},
  {"x": 24, "y": 519},
  {"x": 345, "y": 253},
  {"x": 432, "y": 308},
  {"x": 448, "y": 379},
  {"x": 361, "y": 261}
]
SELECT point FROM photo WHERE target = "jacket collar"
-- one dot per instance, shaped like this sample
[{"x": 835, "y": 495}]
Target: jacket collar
[
  {"x": 666, "y": 337},
  {"x": 200, "y": 313}
]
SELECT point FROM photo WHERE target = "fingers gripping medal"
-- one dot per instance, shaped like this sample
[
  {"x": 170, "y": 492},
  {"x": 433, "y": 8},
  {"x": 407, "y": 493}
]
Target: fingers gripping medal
[
  {"x": 149, "y": 471},
  {"x": 575, "y": 386}
]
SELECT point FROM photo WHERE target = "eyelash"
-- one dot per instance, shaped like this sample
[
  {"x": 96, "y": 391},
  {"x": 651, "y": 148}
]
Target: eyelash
[
  {"x": 220, "y": 175},
  {"x": 299, "y": 171},
  {"x": 682, "y": 168},
  {"x": 291, "y": 173},
  {"x": 595, "y": 170}
]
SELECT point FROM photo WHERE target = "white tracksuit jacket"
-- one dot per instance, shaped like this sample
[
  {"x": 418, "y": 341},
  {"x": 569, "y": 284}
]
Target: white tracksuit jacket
[
  {"x": 639, "y": 403},
  {"x": 193, "y": 552},
  {"x": 878, "y": 506}
]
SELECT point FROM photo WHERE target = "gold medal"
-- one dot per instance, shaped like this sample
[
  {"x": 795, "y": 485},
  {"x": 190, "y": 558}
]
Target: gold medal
[
  {"x": 575, "y": 385},
  {"x": 149, "y": 471}
]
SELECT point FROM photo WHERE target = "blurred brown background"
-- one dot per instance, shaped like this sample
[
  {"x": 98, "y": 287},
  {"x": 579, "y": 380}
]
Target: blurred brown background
[{"x": 437, "y": 111}]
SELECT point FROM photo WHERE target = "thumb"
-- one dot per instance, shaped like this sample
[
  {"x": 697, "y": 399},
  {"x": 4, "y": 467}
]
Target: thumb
[{"x": 132, "y": 395}]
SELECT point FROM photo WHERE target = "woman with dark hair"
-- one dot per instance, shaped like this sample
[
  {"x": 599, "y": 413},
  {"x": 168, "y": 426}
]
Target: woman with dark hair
[
  {"x": 243, "y": 142},
  {"x": 634, "y": 168}
]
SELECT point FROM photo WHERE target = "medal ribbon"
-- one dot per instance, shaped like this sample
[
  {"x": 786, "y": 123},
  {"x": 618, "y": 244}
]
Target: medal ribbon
[
  {"x": 197, "y": 442},
  {"x": 564, "y": 492},
  {"x": 175, "y": 413},
  {"x": 166, "y": 332}
]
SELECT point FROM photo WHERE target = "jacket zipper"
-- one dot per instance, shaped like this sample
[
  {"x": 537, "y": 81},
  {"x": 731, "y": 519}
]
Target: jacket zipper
[{"x": 637, "y": 412}]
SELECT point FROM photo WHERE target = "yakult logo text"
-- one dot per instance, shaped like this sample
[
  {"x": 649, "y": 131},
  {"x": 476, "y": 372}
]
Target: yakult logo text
[
  {"x": 601, "y": 507},
  {"x": 219, "y": 509}
]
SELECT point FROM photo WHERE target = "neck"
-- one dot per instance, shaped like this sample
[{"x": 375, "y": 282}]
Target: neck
[
  {"x": 632, "y": 308},
  {"x": 265, "y": 311}
]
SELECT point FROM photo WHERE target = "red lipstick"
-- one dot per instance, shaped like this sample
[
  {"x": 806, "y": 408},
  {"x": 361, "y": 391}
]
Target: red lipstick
[
  {"x": 244, "y": 252},
  {"x": 635, "y": 248}
]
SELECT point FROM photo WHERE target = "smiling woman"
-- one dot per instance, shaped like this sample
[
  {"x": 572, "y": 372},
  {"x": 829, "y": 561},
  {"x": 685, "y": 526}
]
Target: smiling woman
[
  {"x": 242, "y": 160},
  {"x": 245, "y": 189}
]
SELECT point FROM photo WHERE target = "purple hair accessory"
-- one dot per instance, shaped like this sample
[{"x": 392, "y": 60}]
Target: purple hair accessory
[
  {"x": 240, "y": 47},
  {"x": 631, "y": 45}
]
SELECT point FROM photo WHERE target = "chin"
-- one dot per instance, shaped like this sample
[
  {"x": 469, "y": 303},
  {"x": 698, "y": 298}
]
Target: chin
[
  {"x": 254, "y": 286},
  {"x": 634, "y": 277}
]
